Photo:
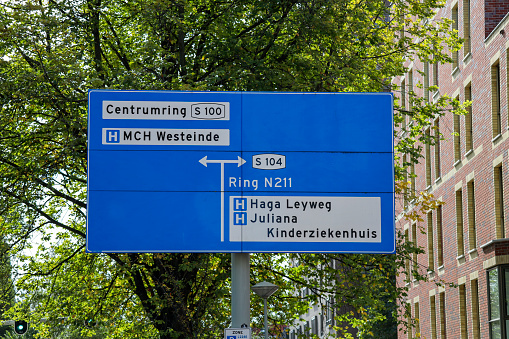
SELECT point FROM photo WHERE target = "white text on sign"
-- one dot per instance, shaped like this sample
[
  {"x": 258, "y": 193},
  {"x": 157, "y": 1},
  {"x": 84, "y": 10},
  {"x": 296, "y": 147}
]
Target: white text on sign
[{"x": 268, "y": 182}]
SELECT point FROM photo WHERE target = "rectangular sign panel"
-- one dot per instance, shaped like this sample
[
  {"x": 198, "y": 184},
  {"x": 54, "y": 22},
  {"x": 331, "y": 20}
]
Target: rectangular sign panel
[
  {"x": 163, "y": 110},
  {"x": 166, "y": 136},
  {"x": 240, "y": 172},
  {"x": 310, "y": 219},
  {"x": 237, "y": 333}
]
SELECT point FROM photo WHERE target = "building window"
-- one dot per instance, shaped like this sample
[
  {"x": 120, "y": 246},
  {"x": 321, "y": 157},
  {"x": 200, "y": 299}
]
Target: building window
[
  {"x": 455, "y": 54},
  {"x": 466, "y": 28},
  {"x": 426, "y": 81},
  {"x": 321, "y": 325},
  {"x": 433, "y": 316},
  {"x": 495, "y": 100},
  {"x": 472, "y": 233},
  {"x": 437, "y": 149},
  {"x": 474, "y": 296},
  {"x": 417, "y": 320},
  {"x": 498, "y": 294},
  {"x": 457, "y": 138},
  {"x": 435, "y": 74},
  {"x": 409, "y": 320},
  {"x": 403, "y": 104},
  {"x": 314, "y": 325},
  {"x": 468, "y": 120},
  {"x": 405, "y": 189},
  {"x": 463, "y": 311},
  {"x": 329, "y": 316},
  {"x": 499, "y": 202},
  {"x": 428, "y": 158},
  {"x": 412, "y": 180},
  {"x": 443, "y": 330},
  {"x": 407, "y": 261},
  {"x": 440, "y": 249},
  {"x": 414, "y": 255},
  {"x": 459, "y": 223},
  {"x": 410, "y": 88},
  {"x": 494, "y": 305},
  {"x": 431, "y": 257}
]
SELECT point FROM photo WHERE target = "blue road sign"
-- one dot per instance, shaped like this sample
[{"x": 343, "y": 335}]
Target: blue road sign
[{"x": 240, "y": 172}]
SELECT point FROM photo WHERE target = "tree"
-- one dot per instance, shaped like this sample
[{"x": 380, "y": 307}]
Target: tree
[
  {"x": 6, "y": 285},
  {"x": 55, "y": 50}
]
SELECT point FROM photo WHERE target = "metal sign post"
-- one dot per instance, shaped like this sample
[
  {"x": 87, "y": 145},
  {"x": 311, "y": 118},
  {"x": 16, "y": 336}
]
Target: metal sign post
[
  {"x": 240, "y": 290},
  {"x": 298, "y": 172}
]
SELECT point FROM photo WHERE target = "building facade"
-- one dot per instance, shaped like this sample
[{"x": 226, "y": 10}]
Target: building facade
[{"x": 466, "y": 240}]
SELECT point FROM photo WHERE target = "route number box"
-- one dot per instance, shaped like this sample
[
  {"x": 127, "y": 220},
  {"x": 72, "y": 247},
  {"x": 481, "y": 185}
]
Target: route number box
[{"x": 240, "y": 172}]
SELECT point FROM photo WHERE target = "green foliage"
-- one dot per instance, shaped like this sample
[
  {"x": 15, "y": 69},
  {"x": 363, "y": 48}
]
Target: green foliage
[
  {"x": 54, "y": 51},
  {"x": 6, "y": 285},
  {"x": 8, "y": 333}
]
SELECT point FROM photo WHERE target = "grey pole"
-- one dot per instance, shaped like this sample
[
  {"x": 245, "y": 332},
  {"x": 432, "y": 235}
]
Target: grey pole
[
  {"x": 240, "y": 290},
  {"x": 264, "y": 290},
  {"x": 265, "y": 318}
]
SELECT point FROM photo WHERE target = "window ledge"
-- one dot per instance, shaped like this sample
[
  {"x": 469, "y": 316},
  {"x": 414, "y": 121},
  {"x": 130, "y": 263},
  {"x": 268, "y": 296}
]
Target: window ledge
[
  {"x": 436, "y": 95},
  {"x": 455, "y": 73},
  {"x": 459, "y": 257},
  {"x": 438, "y": 179},
  {"x": 496, "y": 138},
  {"x": 473, "y": 254},
  {"x": 470, "y": 151},
  {"x": 467, "y": 58},
  {"x": 457, "y": 163},
  {"x": 441, "y": 270},
  {"x": 494, "y": 241}
]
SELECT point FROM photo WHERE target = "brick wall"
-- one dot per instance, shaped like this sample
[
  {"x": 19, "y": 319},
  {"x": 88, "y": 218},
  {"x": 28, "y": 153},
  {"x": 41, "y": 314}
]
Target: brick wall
[
  {"x": 477, "y": 166},
  {"x": 494, "y": 12}
]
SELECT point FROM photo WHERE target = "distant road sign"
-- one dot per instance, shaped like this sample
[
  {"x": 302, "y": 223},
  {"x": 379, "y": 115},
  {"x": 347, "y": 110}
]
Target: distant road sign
[
  {"x": 240, "y": 172},
  {"x": 237, "y": 333}
]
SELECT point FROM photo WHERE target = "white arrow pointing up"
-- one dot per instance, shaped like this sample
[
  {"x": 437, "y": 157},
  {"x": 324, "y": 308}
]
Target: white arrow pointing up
[
  {"x": 204, "y": 161},
  {"x": 239, "y": 163}
]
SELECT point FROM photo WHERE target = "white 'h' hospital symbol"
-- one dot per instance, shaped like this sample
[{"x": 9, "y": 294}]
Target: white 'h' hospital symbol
[
  {"x": 240, "y": 204},
  {"x": 113, "y": 136},
  {"x": 239, "y": 218}
]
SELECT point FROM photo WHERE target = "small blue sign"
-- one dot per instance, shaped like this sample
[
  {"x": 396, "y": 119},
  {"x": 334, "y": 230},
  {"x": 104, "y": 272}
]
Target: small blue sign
[{"x": 240, "y": 172}]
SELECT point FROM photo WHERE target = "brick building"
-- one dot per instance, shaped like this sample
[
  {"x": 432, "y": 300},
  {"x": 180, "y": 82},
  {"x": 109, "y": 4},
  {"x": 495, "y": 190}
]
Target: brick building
[{"x": 467, "y": 239}]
